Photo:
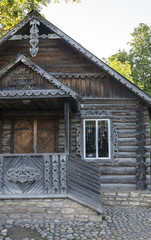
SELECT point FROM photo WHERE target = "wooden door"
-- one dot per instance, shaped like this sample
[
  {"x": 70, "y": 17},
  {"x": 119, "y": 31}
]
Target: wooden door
[
  {"x": 23, "y": 136},
  {"x": 34, "y": 136},
  {"x": 46, "y": 136}
]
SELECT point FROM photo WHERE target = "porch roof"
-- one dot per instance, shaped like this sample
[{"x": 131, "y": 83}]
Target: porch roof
[
  {"x": 62, "y": 90},
  {"x": 45, "y": 93}
]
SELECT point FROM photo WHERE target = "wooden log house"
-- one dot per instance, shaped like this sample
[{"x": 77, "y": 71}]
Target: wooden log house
[{"x": 66, "y": 117}]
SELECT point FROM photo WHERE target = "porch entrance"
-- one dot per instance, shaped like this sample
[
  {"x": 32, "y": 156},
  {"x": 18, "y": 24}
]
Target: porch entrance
[{"x": 34, "y": 136}]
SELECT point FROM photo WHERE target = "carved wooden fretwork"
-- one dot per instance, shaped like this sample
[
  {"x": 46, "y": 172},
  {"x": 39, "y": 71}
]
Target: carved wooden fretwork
[
  {"x": 27, "y": 62},
  {"x": 141, "y": 168},
  {"x": 47, "y": 186},
  {"x": 63, "y": 174},
  {"x": 95, "y": 113},
  {"x": 43, "y": 36},
  {"x": 55, "y": 174},
  {"x": 1, "y": 173},
  {"x": 33, "y": 174},
  {"x": 79, "y": 139},
  {"x": 22, "y": 175},
  {"x": 22, "y": 79},
  {"x": 81, "y": 49},
  {"x": 34, "y": 37},
  {"x": 115, "y": 141}
]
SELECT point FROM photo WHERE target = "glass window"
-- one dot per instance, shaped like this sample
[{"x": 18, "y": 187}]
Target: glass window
[{"x": 96, "y": 138}]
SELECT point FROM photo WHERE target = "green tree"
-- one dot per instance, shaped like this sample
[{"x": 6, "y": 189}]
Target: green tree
[
  {"x": 123, "y": 68},
  {"x": 121, "y": 56},
  {"x": 139, "y": 58},
  {"x": 13, "y": 11}
]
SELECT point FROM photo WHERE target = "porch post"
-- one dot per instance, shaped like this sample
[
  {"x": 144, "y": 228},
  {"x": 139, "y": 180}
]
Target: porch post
[{"x": 67, "y": 127}]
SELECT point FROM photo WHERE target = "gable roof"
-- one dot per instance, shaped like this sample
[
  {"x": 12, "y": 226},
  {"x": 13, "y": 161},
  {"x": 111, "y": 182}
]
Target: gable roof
[
  {"x": 35, "y": 15},
  {"x": 26, "y": 61}
]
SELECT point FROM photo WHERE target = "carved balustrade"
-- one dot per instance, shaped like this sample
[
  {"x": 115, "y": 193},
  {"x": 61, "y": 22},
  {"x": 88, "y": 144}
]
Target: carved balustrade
[{"x": 33, "y": 174}]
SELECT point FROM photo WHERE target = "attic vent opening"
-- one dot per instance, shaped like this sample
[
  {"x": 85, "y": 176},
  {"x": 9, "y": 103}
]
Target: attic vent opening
[{"x": 34, "y": 37}]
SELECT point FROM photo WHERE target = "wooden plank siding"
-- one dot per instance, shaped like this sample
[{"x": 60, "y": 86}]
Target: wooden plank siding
[
  {"x": 54, "y": 56},
  {"x": 97, "y": 87},
  {"x": 84, "y": 183}
]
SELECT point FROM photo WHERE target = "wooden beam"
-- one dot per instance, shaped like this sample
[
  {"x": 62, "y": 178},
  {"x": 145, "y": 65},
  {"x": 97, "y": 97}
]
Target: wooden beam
[
  {"x": 67, "y": 127},
  {"x": 35, "y": 136},
  {"x": 24, "y": 37},
  {"x": 0, "y": 136}
]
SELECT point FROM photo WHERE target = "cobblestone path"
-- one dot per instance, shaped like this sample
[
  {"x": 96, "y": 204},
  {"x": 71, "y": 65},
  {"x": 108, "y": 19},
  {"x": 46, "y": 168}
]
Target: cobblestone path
[{"x": 118, "y": 223}]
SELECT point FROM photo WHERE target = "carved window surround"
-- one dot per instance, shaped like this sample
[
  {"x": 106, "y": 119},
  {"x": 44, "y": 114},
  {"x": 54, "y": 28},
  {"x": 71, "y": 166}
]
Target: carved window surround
[{"x": 97, "y": 114}]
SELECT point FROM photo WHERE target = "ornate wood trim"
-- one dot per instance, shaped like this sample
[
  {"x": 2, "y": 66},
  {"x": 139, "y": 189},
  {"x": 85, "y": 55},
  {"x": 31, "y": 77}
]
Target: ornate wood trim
[
  {"x": 1, "y": 174},
  {"x": 43, "y": 36},
  {"x": 90, "y": 113},
  {"x": 96, "y": 114},
  {"x": 32, "y": 93},
  {"x": 79, "y": 137},
  {"x": 141, "y": 168},
  {"x": 34, "y": 37},
  {"x": 115, "y": 140},
  {"x": 47, "y": 185},
  {"x": 26, "y": 61},
  {"x": 22, "y": 175},
  {"x": 35, "y": 15}
]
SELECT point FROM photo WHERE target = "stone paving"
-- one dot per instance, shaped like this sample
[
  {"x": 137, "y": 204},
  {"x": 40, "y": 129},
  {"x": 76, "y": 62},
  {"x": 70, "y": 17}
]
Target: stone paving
[{"x": 119, "y": 223}]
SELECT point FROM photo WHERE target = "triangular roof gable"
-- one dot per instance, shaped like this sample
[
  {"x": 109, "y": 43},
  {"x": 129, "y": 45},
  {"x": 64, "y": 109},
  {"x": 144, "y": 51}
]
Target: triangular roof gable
[
  {"x": 26, "y": 61},
  {"x": 35, "y": 15}
]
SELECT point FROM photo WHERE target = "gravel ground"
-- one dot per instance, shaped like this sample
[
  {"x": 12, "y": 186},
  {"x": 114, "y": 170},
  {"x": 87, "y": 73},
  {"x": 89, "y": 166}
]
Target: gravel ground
[{"x": 118, "y": 223}]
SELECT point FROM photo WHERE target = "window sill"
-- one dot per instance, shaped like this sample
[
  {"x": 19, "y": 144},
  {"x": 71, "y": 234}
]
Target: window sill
[{"x": 98, "y": 160}]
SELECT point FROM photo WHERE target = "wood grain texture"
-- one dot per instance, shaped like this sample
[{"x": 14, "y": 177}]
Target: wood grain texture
[{"x": 84, "y": 182}]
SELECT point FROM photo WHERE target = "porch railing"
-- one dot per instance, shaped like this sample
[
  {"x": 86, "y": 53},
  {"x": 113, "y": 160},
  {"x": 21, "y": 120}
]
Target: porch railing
[
  {"x": 50, "y": 176},
  {"x": 33, "y": 174}
]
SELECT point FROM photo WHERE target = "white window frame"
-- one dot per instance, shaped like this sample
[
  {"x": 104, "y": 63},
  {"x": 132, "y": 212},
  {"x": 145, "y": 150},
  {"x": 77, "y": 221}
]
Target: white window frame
[{"x": 109, "y": 139}]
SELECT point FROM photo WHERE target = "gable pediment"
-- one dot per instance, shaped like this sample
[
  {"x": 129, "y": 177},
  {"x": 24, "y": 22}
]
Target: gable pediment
[
  {"x": 23, "y": 77},
  {"x": 60, "y": 54}
]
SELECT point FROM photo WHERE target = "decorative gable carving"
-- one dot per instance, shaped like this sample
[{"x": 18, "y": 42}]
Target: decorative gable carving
[
  {"x": 34, "y": 37},
  {"x": 22, "y": 79}
]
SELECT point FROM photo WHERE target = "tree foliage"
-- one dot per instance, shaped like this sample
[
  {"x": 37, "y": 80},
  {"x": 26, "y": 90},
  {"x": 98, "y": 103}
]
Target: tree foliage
[
  {"x": 13, "y": 11},
  {"x": 139, "y": 58},
  {"x": 123, "y": 68}
]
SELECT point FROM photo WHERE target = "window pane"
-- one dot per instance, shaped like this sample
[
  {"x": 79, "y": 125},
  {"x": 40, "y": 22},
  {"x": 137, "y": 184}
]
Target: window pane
[
  {"x": 103, "y": 139},
  {"x": 90, "y": 139}
]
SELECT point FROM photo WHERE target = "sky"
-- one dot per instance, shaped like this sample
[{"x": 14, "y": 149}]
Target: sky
[{"x": 101, "y": 26}]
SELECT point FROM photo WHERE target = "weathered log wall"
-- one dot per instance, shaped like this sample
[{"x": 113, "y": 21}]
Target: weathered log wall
[
  {"x": 120, "y": 173},
  {"x": 6, "y": 133}
]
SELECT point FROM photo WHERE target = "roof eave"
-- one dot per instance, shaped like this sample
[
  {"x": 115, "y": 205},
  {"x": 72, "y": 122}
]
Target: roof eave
[{"x": 138, "y": 92}]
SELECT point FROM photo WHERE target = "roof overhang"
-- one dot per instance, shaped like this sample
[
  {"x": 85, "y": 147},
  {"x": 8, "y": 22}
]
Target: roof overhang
[{"x": 35, "y": 15}]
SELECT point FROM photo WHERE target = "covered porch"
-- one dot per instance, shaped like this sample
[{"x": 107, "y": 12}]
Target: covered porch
[{"x": 35, "y": 158}]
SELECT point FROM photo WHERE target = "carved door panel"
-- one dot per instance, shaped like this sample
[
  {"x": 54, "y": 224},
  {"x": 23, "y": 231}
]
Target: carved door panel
[
  {"x": 23, "y": 136},
  {"x": 46, "y": 136},
  {"x": 34, "y": 136}
]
